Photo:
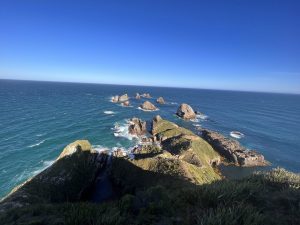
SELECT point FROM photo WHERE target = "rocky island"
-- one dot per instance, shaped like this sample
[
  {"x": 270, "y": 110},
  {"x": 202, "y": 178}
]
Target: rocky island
[
  {"x": 172, "y": 177},
  {"x": 122, "y": 98},
  {"x": 148, "y": 106},
  {"x": 160, "y": 100},
  {"x": 186, "y": 112}
]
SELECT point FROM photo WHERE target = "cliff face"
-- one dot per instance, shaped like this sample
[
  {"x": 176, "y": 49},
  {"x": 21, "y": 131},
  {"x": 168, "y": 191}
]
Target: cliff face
[
  {"x": 172, "y": 183},
  {"x": 233, "y": 151},
  {"x": 184, "y": 159},
  {"x": 73, "y": 171}
]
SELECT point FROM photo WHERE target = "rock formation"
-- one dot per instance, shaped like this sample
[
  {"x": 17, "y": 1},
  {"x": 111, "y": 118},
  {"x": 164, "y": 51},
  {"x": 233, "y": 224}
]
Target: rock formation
[
  {"x": 137, "y": 96},
  {"x": 137, "y": 127},
  {"x": 121, "y": 98},
  {"x": 126, "y": 103},
  {"x": 65, "y": 180},
  {"x": 160, "y": 100},
  {"x": 185, "y": 145},
  {"x": 233, "y": 151},
  {"x": 146, "y": 95},
  {"x": 148, "y": 106},
  {"x": 186, "y": 112}
]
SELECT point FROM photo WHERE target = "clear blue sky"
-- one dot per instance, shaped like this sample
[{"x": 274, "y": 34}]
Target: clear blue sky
[{"x": 226, "y": 44}]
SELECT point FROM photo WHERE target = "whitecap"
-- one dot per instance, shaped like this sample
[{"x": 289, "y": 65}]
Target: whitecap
[
  {"x": 196, "y": 125},
  {"x": 236, "y": 134},
  {"x": 109, "y": 112},
  {"x": 194, "y": 120},
  {"x": 37, "y": 144},
  {"x": 100, "y": 148},
  {"x": 45, "y": 165},
  {"x": 145, "y": 110},
  {"x": 202, "y": 116},
  {"x": 173, "y": 103},
  {"x": 121, "y": 130}
]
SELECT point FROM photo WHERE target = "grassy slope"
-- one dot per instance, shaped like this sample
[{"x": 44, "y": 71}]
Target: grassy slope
[
  {"x": 272, "y": 198},
  {"x": 180, "y": 141},
  {"x": 65, "y": 180}
]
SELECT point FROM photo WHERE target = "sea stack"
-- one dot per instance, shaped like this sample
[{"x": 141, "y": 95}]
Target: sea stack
[
  {"x": 137, "y": 96},
  {"x": 126, "y": 103},
  {"x": 148, "y": 106},
  {"x": 137, "y": 127},
  {"x": 160, "y": 100},
  {"x": 186, "y": 112},
  {"x": 146, "y": 95},
  {"x": 122, "y": 98}
]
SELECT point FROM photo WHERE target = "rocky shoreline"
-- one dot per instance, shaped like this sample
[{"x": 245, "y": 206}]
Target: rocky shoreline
[
  {"x": 170, "y": 175},
  {"x": 233, "y": 151}
]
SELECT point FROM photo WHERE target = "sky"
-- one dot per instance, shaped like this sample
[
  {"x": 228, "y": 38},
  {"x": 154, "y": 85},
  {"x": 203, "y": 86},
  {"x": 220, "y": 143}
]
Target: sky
[{"x": 251, "y": 45}]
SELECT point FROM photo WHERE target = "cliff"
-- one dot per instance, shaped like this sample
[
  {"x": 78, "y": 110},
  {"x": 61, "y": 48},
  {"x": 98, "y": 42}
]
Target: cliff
[
  {"x": 66, "y": 180},
  {"x": 173, "y": 182}
]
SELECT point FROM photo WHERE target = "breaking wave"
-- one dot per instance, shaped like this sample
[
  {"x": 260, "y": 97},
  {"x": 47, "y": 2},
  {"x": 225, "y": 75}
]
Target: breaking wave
[
  {"x": 37, "y": 144},
  {"x": 109, "y": 112}
]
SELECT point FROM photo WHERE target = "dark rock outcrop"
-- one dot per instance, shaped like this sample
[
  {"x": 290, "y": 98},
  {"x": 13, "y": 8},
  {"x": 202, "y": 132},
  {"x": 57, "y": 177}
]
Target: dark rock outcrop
[
  {"x": 66, "y": 179},
  {"x": 137, "y": 127},
  {"x": 186, "y": 112},
  {"x": 160, "y": 100},
  {"x": 148, "y": 106},
  {"x": 233, "y": 151}
]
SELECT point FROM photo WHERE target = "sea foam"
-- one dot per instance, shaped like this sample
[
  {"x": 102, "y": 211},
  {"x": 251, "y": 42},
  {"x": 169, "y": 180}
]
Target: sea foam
[
  {"x": 37, "y": 144},
  {"x": 109, "y": 112}
]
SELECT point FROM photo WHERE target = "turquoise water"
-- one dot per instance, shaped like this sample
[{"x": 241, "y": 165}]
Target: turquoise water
[{"x": 38, "y": 119}]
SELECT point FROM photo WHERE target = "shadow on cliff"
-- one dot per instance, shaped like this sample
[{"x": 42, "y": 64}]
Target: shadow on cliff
[
  {"x": 123, "y": 177},
  {"x": 153, "y": 197}
]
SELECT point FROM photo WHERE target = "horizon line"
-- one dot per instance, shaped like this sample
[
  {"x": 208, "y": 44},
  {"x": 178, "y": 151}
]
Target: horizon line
[{"x": 155, "y": 86}]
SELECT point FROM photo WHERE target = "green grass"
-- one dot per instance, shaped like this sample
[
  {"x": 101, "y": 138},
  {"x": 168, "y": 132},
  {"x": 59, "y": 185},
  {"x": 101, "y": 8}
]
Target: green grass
[{"x": 268, "y": 198}]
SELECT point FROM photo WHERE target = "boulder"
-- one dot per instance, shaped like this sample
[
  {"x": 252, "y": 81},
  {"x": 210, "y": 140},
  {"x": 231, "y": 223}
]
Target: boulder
[
  {"x": 233, "y": 151},
  {"x": 137, "y": 96},
  {"x": 123, "y": 98},
  {"x": 115, "y": 98},
  {"x": 160, "y": 100},
  {"x": 119, "y": 153},
  {"x": 137, "y": 127},
  {"x": 186, "y": 112},
  {"x": 126, "y": 103},
  {"x": 148, "y": 106},
  {"x": 146, "y": 95}
]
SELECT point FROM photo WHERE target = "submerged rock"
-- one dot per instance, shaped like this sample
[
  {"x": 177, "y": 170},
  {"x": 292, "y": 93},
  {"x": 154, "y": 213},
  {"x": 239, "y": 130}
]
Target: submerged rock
[
  {"x": 137, "y": 127},
  {"x": 160, "y": 100},
  {"x": 233, "y": 151},
  {"x": 148, "y": 106},
  {"x": 186, "y": 112}
]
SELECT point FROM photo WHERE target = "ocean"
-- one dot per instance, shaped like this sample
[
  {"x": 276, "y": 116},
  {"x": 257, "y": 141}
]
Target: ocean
[{"x": 38, "y": 119}]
